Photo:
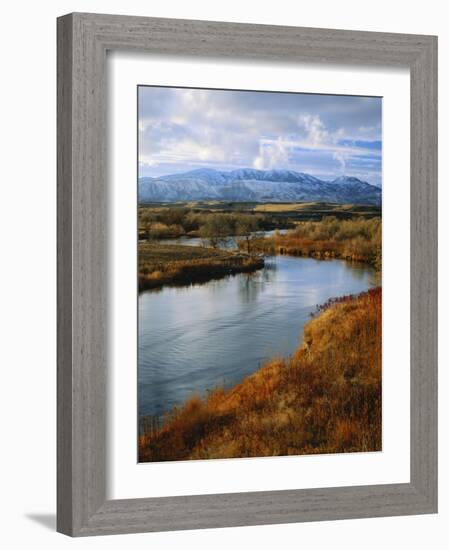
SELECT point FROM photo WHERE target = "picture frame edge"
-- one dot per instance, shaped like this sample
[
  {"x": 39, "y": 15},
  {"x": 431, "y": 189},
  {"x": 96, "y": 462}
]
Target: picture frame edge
[{"x": 82, "y": 508}]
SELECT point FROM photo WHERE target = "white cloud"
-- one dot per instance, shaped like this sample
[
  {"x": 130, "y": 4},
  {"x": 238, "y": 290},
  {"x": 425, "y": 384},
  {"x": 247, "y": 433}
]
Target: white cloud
[
  {"x": 341, "y": 157},
  {"x": 371, "y": 133},
  {"x": 271, "y": 155},
  {"x": 181, "y": 128},
  {"x": 316, "y": 133}
]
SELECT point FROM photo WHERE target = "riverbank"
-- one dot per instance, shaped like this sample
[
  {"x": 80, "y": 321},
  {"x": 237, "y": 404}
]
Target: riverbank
[
  {"x": 161, "y": 264},
  {"x": 358, "y": 240},
  {"x": 325, "y": 398}
]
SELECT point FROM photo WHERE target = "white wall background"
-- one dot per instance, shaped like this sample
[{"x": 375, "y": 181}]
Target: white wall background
[{"x": 27, "y": 289}]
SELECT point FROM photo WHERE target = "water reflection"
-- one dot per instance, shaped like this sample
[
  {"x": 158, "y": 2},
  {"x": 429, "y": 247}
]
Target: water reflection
[
  {"x": 251, "y": 285},
  {"x": 195, "y": 338}
]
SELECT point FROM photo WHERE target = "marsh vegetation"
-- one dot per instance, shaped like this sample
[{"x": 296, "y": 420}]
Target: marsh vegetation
[
  {"x": 325, "y": 397},
  {"x": 161, "y": 264},
  {"x": 357, "y": 239}
]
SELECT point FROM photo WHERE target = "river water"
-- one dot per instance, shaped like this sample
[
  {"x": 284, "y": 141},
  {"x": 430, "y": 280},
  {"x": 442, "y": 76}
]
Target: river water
[{"x": 194, "y": 338}]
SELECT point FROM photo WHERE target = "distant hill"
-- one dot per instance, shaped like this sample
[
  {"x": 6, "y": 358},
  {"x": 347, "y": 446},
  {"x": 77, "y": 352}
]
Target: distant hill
[{"x": 250, "y": 185}]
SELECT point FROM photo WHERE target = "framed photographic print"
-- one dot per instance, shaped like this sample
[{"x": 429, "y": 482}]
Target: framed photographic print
[
  {"x": 237, "y": 250},
  {"x": 246, "y": 274}
]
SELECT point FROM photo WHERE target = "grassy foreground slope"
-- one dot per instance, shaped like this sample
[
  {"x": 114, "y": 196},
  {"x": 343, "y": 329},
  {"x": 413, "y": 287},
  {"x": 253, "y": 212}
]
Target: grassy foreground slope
[{"x": 326, "y": 398}]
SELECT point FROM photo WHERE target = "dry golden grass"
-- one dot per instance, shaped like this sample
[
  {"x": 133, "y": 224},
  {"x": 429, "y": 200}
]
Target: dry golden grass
[
  {"x": 161, "y": 264},
  {"x": 283, "y": 207},
  {"x": 324, "y": 208},
  {"x": 358, "y": 240},
  {"x": 326, "y": 398}
]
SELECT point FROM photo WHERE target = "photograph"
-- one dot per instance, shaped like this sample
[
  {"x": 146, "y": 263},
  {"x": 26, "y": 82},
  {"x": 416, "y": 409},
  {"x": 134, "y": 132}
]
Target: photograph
[
  {"x": 259, "y": 306},
  {"x": 232, "y": 337}
]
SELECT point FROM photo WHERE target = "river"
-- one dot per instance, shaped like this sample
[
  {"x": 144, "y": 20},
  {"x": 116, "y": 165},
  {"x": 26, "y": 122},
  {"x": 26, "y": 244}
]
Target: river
[{"x": 194, "y": 338}]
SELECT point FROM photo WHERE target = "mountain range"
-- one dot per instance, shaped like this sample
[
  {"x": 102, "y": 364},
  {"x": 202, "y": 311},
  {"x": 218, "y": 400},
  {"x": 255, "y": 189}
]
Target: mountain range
[{"x": 250, "y": 185}]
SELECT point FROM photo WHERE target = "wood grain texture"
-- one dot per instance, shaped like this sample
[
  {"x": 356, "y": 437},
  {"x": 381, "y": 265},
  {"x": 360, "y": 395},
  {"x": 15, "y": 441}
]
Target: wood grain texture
[
  {"x": 83, "y": 40},
  {"x": 424, "y": 275},
  {"x": 64, "y": 278}
]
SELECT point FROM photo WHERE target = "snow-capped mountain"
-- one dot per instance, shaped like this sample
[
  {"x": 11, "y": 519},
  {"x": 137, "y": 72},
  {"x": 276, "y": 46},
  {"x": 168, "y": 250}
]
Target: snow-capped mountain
[{"x": 252, "y": 185}]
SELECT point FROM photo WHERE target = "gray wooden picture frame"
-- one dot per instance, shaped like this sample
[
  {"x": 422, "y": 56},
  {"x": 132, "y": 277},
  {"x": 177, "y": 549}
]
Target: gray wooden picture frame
[{"x": 83, "y": 40}]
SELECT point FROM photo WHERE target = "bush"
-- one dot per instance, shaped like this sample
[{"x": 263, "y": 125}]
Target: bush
[{"x": 358, "y": 239}]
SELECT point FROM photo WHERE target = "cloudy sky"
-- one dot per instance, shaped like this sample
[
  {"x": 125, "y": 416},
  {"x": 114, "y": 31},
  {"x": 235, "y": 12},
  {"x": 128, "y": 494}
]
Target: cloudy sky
[{"x": 323, "y": 135}]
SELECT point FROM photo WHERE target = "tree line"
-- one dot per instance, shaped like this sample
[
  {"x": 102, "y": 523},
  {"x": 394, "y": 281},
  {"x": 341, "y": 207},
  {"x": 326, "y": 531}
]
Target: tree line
[{"x": 215, "y": 228}]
